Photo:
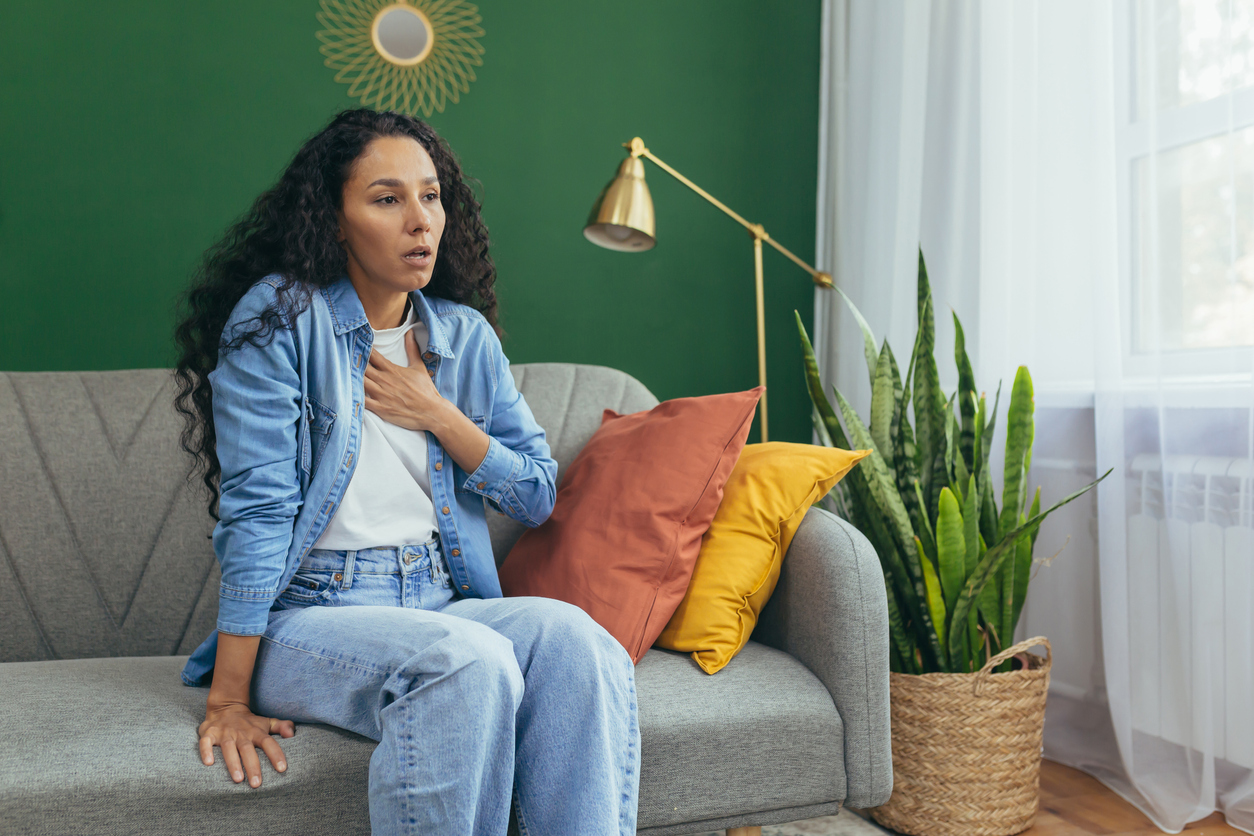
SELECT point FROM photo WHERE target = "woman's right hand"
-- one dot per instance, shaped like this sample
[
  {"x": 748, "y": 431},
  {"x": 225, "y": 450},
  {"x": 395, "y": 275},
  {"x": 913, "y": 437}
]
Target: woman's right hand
[{"x": 238, "y": 732}]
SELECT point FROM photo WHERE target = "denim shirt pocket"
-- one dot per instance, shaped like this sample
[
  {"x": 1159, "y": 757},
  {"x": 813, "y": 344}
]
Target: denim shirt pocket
[
  {"x": 460, "y": 476},
  {"x": 315, "y": 430}
]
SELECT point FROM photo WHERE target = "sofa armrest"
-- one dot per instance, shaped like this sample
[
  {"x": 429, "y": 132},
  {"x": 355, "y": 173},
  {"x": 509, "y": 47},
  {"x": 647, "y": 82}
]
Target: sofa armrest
[{"x": 830, "y": 612}]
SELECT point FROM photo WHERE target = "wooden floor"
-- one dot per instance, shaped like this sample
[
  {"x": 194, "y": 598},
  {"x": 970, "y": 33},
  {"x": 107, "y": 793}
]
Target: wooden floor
[{"x": 1074, "y": 804}]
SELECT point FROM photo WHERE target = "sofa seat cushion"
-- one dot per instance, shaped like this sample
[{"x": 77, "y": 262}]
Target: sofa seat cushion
[
  {"x": 108, "y": 746},
  {"x": 761, "y": 734}
]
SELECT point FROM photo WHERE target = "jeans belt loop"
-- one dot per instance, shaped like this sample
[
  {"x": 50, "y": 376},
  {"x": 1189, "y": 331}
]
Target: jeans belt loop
[
  {"x": 431, "y": 558},
  {"x": 350, "y": 559}
]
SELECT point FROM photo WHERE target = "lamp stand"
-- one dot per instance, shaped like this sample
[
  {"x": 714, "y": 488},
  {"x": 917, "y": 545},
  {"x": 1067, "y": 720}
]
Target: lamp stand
[
  {"x": 618, "y": 207},
  {"x": 757, "y": 286}
]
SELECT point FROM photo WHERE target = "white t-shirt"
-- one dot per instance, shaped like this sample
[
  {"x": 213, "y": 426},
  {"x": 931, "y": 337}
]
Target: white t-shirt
[{"x": 388, "y": 500}]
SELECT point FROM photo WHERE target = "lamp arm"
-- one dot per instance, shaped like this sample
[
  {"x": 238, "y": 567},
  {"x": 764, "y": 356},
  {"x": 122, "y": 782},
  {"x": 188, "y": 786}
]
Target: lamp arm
[{"x": 822, "y": 279}]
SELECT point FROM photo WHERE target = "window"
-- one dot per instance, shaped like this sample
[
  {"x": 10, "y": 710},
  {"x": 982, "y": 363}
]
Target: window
[{"x": 1185, "y": 141}]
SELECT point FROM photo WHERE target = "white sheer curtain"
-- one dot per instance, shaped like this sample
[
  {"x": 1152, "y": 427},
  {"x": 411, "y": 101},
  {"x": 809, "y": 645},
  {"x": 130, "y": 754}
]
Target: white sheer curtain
[{"x": 1081, "y": 177}]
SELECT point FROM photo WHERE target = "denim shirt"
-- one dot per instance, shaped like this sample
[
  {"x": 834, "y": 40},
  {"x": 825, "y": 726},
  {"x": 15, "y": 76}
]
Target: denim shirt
[{"x": 287, "y": 416}]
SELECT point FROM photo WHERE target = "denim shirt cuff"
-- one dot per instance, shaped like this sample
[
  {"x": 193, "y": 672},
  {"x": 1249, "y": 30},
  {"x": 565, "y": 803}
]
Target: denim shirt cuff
[
  {"x": 243, "y": 616},
  {"x": 495, "y": 474}
]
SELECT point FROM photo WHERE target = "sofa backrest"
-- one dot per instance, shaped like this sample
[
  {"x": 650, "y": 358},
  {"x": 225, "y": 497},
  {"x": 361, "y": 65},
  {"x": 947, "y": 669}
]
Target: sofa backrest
[{"x": 104, "y": 542}]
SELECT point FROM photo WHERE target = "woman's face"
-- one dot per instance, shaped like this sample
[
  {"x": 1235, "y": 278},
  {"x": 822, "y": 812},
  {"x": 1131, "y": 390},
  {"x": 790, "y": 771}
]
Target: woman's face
[{"x": 391, "y": 218}]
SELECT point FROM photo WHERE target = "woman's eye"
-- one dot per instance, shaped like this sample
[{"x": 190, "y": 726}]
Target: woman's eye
[
  {"x": 389, "y": 199},
  {"x": 432, "y": 196}
]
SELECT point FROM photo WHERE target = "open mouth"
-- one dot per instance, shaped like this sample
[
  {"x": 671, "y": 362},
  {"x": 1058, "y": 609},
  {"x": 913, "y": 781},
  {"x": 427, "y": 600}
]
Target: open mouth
[{"x": 418, "y": 254}]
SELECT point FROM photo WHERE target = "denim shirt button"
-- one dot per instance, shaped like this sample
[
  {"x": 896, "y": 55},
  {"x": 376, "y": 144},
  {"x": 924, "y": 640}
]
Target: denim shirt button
[
  {"x": 482, "y": 485},
  {"x": 464, "y": 586},
  {"x": 444, "y": 510},
  {"x": 456, "y": 552},
  {"x": 439, "y": 465}
]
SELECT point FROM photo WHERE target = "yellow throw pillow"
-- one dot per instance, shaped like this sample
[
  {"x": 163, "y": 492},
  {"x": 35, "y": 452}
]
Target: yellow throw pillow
[{"x": 764, "y": 502}]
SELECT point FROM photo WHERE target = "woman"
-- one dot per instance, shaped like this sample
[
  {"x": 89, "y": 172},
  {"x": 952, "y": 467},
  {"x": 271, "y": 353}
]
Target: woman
[{"x": 351, "y": 408}]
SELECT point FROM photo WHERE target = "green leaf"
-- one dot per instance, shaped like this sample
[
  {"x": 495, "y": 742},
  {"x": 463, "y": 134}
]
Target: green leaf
[
  {"x": 814, "y": 383},
  {"x": 980, "y": 465},
  {"x": 1023, "y": 565},
  {"x": 935, "y": 597},
  {"x": 882, "y": 484},
  {"x": 988, "y": 509},
  {"x": 989, "y": 604},
  {"x": 925, "y": 529},
  {"x": 987, "y": 439},
  {"x": 971, "y": 530},
  {"x": 820, "y": 429},
  {"x": 897, "y": 631},
  {"x": 988, "y": 514},
  {"x": 1000, "y": 553},
  {"x": 1006, "y": 581},
  {"x": 1033, "y": 511},
  {"x": 986, "y": 602},
  {"x": 961, "y": 476},
  {"x": 868, "y": 339},
  {"x": 951, "y": 430},
  {"x": 1019, "y": 431},
  {"x": 904, "y": 452},
  {"x": 929, "y": 403},
  {"x": 885, "y": 392},
  {"x": 966, "y": 395},
  {"x": 951, "y": 548}
]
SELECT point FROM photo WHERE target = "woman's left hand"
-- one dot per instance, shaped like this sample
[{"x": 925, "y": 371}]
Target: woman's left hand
[{"x": 406, "y": 397}]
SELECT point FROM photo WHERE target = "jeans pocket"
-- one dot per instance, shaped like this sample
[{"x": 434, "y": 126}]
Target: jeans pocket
[{"x": 308, "y": 587}]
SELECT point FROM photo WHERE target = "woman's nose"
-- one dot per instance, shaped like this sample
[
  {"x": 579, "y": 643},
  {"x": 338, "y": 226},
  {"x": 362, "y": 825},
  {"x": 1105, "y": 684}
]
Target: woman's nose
[{"x": 420, "y": 220}]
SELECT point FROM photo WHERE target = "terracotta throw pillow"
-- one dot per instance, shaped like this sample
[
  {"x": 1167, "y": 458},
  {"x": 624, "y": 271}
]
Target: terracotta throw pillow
[
  {"x": 764, "y": 502},
  {"x": 627, "y": 525}
]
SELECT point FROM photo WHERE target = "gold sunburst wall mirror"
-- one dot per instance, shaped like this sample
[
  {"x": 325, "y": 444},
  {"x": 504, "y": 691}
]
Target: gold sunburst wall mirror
[{"x": 413, "y": 56}]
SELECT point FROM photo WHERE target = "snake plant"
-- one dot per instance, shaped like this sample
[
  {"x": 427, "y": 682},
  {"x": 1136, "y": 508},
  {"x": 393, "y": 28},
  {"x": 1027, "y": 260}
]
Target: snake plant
[{"x": 956, "y": 567}]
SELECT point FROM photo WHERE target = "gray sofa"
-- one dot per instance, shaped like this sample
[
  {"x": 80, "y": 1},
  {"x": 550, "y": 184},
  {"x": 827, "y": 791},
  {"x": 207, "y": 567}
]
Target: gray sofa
[{"x": 108, "y": 580}]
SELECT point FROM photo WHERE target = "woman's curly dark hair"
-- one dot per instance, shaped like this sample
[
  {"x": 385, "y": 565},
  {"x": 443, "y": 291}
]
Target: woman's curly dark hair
[{"x": 291, "y": 230}]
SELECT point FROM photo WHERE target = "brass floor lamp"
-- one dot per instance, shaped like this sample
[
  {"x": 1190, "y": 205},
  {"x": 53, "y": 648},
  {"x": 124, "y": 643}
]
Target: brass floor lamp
[{"x": 622, "y": 219}]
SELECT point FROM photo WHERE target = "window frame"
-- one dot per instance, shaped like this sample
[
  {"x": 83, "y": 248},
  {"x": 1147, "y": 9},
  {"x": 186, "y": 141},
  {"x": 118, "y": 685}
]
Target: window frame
[{"x": 1137, "y": 138}]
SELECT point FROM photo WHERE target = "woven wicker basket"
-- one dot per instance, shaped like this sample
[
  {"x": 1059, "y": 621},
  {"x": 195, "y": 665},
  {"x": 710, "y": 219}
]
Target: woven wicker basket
[{"x": 967, "y": 748}]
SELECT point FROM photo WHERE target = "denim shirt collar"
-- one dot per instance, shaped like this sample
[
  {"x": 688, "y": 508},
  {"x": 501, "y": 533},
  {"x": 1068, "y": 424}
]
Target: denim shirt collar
[{"x": 348, "y": 314}]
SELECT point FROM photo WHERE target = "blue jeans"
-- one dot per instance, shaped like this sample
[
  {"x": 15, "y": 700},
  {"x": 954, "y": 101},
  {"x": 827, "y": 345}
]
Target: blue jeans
[{"x": 474, "y": 701}]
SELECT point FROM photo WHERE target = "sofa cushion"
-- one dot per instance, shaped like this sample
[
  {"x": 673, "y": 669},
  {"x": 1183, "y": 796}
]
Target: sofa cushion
[
  {"x": 761, "y": 735},
  {"x": 98, "y": 745},
  {"x": 626, "y": 528},
  {"x": 768, "y": 494},
  {"x": 567, "y": 400}
]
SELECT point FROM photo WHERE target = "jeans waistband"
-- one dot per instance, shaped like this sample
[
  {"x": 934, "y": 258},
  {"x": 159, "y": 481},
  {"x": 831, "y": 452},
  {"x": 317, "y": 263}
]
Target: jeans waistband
[{"x": 386, "y": 560}]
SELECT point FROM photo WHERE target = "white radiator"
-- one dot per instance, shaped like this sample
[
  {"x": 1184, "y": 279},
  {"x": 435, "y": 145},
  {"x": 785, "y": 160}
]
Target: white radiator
[{"x": 1191, "y": 601}]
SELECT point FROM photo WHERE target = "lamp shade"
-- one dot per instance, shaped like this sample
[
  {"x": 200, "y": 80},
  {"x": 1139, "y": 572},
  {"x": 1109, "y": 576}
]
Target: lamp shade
[{"x": 622, "y": 217}]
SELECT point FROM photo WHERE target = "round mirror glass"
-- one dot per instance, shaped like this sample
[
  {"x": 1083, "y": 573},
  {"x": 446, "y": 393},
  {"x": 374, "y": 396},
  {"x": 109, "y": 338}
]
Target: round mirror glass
[{"x": 402, "y": 34}]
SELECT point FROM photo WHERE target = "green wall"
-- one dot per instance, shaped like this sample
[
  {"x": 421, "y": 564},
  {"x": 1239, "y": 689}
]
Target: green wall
[{"x": 133, "y": 133}]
